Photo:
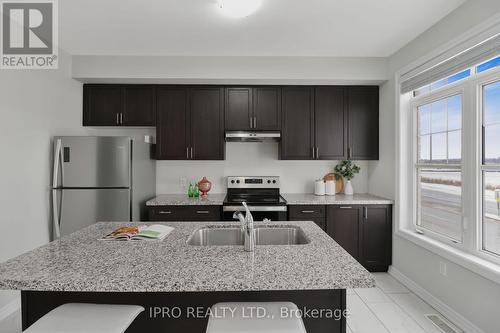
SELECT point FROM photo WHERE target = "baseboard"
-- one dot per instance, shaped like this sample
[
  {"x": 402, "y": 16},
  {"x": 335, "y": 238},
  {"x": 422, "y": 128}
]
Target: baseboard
[
  {"x": 10, "y": 308},
  {"x": 452, "y": 315}
]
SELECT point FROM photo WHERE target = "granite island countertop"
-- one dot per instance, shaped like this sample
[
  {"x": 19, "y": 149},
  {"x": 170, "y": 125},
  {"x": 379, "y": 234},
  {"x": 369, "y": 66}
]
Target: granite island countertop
[
  {"x": 215, "y": 199},
  {"x": 338, "y": 199},
  {"x": 80, "y": 262}
]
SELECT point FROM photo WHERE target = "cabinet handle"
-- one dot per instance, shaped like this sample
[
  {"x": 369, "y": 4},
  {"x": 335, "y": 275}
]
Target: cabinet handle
[
  {"x": 164, "y": 212},
  {"x": 349, "y": 152},
  {"x": 191, "y": 152},
  {"x": 366, "y": 213},
  {"x": 187, "y": 153},
  {"x": 121, "y": 118},
  {"x": 317, "y": 153},
  {"x": 251, "y": 122},
  {"x": 118, "y": 119},
  {"x": 202, "y": 212},
  {"x": 313, "y": 150},
  {"x": 254, "y": 122},
  {"x": 307, "y": 211},
  {"x": 345, "y": 207}
]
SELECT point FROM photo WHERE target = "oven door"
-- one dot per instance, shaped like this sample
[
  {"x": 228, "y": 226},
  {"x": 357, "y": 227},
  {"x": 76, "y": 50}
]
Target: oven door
[{"x": 259, "y": 213}]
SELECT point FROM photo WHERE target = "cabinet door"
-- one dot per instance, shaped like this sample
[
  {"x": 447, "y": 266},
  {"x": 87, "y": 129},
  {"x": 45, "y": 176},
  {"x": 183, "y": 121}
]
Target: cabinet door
[
  {"x": 139, "y": 106},
  {"x": 238, "y": 109},
  {"x": 172, "y": 124},
  {"x": 342, "y": 224},
  {"x": 267, "y": 108},
  {"x": 297, "y": 129},
  {"x": 102, "y": 105},
  {"x": 207, "y": 123},
  {"x": 376, "y": 237},
  {"x": 330, "y": 123},
  {"x": 363, "y": 119}
]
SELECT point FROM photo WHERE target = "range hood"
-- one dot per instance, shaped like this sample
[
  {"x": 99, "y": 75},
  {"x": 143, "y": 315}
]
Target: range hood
[{"x": 249, "y": 136}]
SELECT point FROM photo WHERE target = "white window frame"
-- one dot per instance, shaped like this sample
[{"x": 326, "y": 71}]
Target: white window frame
[
  {"x": 469, "y": 252},
  {"x": 457, "y": 88},
  {"x": 490, "y": 76}
]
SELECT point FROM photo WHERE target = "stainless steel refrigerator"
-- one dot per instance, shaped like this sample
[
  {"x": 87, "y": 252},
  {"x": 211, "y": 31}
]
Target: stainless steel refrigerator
[{"x": 100, "y": 179}]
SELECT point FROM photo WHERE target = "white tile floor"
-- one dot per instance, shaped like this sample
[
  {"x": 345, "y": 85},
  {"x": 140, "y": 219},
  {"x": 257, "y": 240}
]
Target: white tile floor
[{"x": 388, "y": 308}]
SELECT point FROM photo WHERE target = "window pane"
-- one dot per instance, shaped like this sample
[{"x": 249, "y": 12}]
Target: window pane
[
  {"x": 454, "y": 112},
  {"x": 424, "y": 119},
  {"x": 459, "y": 76},
  {"x": 438, "y": 118},
  {"x": 492, "y": 144},
  {"x": 440, "y": 202},
  {"x": 488, "y": 65},
  {"x": 424, "y": 148},
  {"x": 454, "y": 146},
  {"x": 491, "y": 211},
  {"x": 439, "y": 148},
  {"x": 491, "y": 93}
]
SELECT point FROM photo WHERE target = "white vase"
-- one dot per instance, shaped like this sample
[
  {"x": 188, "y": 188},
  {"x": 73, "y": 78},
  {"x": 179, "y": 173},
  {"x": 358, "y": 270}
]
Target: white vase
[{"x": 348, "y": 190}]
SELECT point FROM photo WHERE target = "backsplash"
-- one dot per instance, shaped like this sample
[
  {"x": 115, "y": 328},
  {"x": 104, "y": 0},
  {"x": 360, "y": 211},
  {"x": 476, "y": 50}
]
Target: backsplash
[{"x": 251, "y": 159}]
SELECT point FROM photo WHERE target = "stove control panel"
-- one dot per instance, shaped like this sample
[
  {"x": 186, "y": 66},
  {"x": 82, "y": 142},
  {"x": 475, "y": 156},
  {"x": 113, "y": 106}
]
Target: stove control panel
[{"x": 253, "y": 182}]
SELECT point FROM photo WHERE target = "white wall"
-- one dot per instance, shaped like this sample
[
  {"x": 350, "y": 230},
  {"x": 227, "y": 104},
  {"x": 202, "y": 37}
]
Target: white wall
[
  {"x": 472, "y": 296},
  {"x": 34, "y": 106},
  {"x": 230, "y": 70},
  {"x": 251, "y": 159}
]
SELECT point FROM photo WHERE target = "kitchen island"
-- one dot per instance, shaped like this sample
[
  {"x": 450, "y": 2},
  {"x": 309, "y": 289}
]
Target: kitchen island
[{"x": 170, "y": 274}]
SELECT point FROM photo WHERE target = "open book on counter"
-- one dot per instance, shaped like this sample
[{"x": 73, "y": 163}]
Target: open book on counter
[{"x": 142, "y": 232}]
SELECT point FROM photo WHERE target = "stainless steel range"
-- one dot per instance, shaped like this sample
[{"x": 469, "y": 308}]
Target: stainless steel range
[{"x": 262, "y": 195}]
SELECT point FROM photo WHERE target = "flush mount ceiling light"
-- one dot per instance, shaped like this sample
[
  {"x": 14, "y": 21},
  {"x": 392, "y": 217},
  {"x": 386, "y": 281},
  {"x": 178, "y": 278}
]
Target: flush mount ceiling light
[{"x": 238, "y": 8}]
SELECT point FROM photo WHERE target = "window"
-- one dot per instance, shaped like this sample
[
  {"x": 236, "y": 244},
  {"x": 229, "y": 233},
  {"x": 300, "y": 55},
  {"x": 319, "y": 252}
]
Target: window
[
  {"x": 488, "y": 65},
  {"x": 451, "y": 165},
  {"x": 490, "y": 167},
  {"x": 438, "y": 167},
  {"x": 443, "y": 82}
]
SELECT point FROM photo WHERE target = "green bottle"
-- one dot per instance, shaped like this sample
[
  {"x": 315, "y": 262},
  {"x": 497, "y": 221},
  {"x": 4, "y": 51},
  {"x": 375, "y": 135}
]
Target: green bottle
[
  {"x": 196, "y": 191},
  {"x": 190, "y": 191}
]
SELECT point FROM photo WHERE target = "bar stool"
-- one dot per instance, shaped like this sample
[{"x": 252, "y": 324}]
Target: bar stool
[
  {"x": 87, "y": 318},
  {"x": 233, "y": 317}
]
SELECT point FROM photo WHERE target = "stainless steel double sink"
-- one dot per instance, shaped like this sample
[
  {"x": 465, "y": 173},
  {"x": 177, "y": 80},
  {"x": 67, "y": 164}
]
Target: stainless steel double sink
[{"x": 214, "y": 236}]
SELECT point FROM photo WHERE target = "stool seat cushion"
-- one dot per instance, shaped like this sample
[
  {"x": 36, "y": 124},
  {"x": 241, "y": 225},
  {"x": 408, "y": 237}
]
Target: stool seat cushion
[
  {"x": 87, "y": 318},
  {"x": 253, "y": 317}
]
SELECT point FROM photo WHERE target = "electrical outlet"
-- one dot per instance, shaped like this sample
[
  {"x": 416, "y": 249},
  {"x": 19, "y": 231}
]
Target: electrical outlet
[
  {"x": 183, "y": 182},
  {"x": 443, "y": 268}
]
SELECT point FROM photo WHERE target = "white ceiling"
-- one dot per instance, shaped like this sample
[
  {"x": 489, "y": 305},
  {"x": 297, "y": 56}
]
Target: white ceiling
[{"x": 341, "y": 28}]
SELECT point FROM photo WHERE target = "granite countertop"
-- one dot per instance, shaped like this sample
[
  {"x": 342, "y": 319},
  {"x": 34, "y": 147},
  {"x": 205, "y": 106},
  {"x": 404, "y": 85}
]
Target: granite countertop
[
  {"x": 184, "y": 200},
  {"x": 80, "y": 262},
  {"x": 342, "y": 199}
]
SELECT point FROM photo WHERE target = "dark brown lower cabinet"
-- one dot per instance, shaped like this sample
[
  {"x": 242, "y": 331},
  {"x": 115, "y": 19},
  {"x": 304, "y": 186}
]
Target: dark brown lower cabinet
[
  {"x": 185, "y": 213},
  {"x": 365, "y": 232},
  {"x": 315, "y": 213},
  {"x": 343, "y": 226}
]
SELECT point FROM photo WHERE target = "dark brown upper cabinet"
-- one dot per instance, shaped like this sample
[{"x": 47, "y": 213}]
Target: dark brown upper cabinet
[
  {"x": 190, "y": 124},
  {"x": 102, "y": 105},
  {"x": 207, "y": 123},
  {"x": 363, "y": 122},
  {"x": 172, "y": 126},
  {"x": 330, "y": 123},
  {"x": 253, "y": 108},
  {"x": 118, "y": 105},
  {"x": 139, "y": 106},
  {"x": 297, "y": 129}
]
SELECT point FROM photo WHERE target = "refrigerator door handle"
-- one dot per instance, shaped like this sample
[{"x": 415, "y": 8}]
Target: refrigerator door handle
[
  {"x": 56, "y": 216},
  {"x": 57, "y": 162}
]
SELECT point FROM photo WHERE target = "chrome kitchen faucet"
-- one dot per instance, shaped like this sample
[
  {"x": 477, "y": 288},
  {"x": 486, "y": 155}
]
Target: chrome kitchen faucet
[{"x": 247, "y": 227}]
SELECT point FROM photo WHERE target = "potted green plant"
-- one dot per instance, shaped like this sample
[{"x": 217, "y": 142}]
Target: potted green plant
[{"x": 346, "y": 169}]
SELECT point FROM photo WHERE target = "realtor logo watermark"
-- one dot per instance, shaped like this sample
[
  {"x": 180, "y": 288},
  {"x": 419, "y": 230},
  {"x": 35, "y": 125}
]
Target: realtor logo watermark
[{"x": 29, "y": 34}]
